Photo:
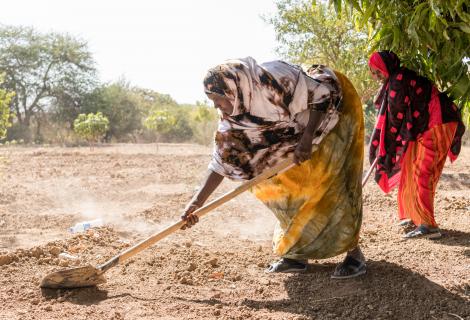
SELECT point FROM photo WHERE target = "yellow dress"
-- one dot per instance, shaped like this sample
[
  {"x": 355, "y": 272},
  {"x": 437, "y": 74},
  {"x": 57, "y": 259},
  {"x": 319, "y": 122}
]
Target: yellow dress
[{"x": 319, "y": 203}]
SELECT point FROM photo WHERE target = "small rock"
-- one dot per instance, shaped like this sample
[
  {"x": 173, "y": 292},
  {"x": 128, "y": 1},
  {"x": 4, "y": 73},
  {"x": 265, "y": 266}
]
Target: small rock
[
  {"x": 45, "y": 260},
  {"x": 186, "y": 281},
  {"x": 35, "y": 301},
  {"x": 188, "y": 244},
  {"x": 371, "y": 307},
  {"x": 216, "y": 295},
  {"x": 236, "y": 277},
  {"x": 48, "y": 308},
  {"x": 217, "y": 275},
  {"x": 216, "y": 312},
  {"x": 192, "y": 266},
  {"x": 36, "y": 252},
  {"x": 54, "y": 251},
  {"x": 212, "y": 262},
  {"x": 64, "y": 263},
  {"x": 5, "y": 259}
]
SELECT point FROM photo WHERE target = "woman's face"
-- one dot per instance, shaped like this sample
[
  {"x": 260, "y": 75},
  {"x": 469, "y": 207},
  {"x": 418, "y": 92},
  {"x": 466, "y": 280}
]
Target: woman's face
[
  {"x": 377, "y": 74},
  {"x": 222, "y": 103}
]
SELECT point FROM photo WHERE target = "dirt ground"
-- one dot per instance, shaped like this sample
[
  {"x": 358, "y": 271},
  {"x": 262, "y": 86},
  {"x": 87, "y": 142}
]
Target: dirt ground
[{"x": 216, "y": 269}]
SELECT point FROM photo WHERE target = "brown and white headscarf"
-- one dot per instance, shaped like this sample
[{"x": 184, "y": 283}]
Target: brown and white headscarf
[{"x": 271, "y": 108}]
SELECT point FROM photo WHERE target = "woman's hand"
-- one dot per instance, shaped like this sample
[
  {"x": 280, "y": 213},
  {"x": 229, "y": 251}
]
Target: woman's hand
[
  {"x": 211, "y": 182},
  {"x": 188, "y": 216}
]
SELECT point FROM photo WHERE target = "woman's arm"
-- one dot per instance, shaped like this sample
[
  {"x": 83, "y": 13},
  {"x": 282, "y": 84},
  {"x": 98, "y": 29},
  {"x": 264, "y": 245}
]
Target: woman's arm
[
  {"x": 303, "y": 151},
  {"x": 211, "y": 182}
]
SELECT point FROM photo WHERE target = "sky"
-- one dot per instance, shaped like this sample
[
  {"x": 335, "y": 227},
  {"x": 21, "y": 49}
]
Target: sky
[{"x": 166, "y": 46}]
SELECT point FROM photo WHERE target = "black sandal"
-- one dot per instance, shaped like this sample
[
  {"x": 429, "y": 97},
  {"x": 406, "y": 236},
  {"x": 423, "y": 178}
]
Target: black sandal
[
  {"x": 349, "y": 268},
  {"x": 286, "y": 265}
]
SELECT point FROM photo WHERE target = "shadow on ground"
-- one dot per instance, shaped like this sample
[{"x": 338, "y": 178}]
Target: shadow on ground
[
  {"x": 388, "y": 291},
  {"x": 87, "y": 296},
  {"x": 452, "y": 237}
]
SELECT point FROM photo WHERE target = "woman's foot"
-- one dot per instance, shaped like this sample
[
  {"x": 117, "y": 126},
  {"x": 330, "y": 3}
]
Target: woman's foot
[
  {"x": 352, "y": 266},
  {"x": 286, "y": 265},
  {"x": 423, "y": 231},
  {"x": 406, "y": 223}
]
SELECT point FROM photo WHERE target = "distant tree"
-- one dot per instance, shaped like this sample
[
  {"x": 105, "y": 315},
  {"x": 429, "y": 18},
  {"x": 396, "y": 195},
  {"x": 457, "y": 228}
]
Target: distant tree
[
  {"x": 91, "y": 127},
  {"x": 5, "y": 98},
  {"x": 42, "y": 67},
  {"x": 310, "y": 32},
  {"x": 149, "y": 99},
  {"x": 160, "y": 122},
  {"x": 205, "y": 123},
  {"x": 431, "y": 37},
  {"x": 120, "y": 105}
]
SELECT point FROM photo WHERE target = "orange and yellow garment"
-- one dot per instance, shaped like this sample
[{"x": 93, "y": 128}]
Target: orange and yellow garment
[
  {"x": 420, "y": 171},
  {"x": 319, "y": 203}
]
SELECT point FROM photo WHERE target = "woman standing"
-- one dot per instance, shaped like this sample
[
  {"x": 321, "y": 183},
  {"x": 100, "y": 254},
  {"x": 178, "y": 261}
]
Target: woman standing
[
  {"x": 417, "y": 128},
  {"x": 269, "y": 112}
]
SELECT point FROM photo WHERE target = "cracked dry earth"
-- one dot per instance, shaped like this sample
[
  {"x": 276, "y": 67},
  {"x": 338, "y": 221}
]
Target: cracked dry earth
[{"x": 216, "y": 269}]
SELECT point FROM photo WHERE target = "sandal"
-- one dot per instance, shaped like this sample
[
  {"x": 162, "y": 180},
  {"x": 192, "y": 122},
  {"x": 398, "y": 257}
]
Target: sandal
[
  {"x": 286, "y": 265},
  {"x": 423, "y": 232},
  {"x": 349, "y": 268},
  {"x": 406, "y": 223}
]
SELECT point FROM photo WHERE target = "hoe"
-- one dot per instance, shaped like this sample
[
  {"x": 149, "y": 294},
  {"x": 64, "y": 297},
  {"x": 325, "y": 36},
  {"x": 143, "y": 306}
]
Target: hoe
[{"x": 88, "y": 276}]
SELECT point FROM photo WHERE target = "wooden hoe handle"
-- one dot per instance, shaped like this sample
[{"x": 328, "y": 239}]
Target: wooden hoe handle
[{"x": 144, "y": 244}]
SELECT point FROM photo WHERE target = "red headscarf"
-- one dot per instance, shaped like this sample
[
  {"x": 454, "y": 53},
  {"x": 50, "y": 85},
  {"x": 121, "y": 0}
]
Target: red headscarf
[{"x": 376, "y": 62}]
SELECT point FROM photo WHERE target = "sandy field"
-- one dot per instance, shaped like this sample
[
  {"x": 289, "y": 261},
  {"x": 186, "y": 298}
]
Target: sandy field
[{"x": 216, "y": 269}]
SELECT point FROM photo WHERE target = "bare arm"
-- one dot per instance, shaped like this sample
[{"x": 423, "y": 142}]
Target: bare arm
[
  {"x": 210, "y": 183},
  {"x": 303, "y": 151}
]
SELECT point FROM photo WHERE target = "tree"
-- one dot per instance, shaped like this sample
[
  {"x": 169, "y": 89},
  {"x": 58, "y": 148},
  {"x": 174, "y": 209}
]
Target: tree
[
  {"x": 160, "y": 122},
  {"x": 91, "y": 127},
  {"x": 204, "y": 122},
  {"x": 431, "y": 37},
  {"x": 5, "y": 98},
  {"x": 310, "y": 32},
  {"x": 120, "y": 105},
  {"x": 41, "y": 68}
]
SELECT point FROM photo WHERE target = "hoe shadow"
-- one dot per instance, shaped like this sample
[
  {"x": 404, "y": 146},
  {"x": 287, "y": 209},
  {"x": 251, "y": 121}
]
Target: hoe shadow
[
  {"x": 387, "y": 291},
  {"x": 86, "y": 296}
]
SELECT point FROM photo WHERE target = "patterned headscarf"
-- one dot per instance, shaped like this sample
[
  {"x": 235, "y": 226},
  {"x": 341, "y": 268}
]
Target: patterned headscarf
[{"x": 234, "y": 81}]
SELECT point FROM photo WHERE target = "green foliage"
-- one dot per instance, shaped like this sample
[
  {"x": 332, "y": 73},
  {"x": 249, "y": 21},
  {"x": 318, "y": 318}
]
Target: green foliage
[
  {"x": 91, "y": 127},
  {"x": 55, "y": 85},
  {"x": 125, "y": 107},
  {"x": 119, "y": 104},
  {"x": 160, "y": 121},
  {"x": 204, "y": 123},
  {"x": 43, "y": 68},
  {"x": 310, "y": 32},
  {"x": 370, "y": 114},
  {"x": 432, "y": 37},
  {"x": 5, "y": 98}
]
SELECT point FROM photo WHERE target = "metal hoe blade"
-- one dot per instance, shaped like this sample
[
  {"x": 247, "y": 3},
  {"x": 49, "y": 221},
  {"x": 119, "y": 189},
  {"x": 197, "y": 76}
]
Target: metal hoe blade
[{"x": 80, "y": 277}]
